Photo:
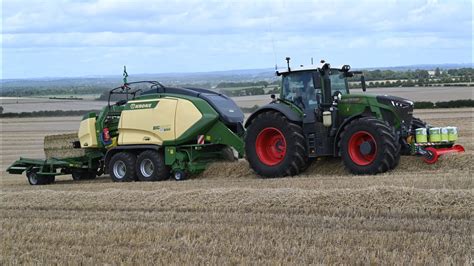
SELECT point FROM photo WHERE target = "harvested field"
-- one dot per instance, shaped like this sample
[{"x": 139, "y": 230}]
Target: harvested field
[{"x": 416, "y": 214}]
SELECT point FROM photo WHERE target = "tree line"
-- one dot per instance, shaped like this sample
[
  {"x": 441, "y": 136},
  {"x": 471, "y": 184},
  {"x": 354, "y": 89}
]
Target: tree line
[{"x": 374, "y": 78}]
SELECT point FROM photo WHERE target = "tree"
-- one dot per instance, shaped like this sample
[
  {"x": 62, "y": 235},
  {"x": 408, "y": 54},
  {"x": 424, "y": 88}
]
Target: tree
[{"x": 437, "y": 72}]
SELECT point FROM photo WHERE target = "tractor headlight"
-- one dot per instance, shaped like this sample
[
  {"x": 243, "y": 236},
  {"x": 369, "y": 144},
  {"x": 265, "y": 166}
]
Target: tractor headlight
[{"x": 400, "y": 104}]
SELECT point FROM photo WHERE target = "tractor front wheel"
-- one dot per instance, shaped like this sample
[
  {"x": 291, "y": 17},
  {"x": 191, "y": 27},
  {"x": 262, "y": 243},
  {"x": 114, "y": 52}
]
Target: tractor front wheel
[
  {"x": 369, "y": 146},
  {"x": 274, "y": 146}
]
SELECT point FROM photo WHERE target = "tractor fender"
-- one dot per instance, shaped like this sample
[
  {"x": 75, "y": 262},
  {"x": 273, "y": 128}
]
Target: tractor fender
[
  {"x": 278, "y": 107},
  {"x": 131, "y": 148}
]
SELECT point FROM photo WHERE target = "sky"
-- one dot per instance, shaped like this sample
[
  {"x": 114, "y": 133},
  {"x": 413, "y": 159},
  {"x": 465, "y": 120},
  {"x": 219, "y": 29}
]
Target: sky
[{"x": 71, "y": 38}]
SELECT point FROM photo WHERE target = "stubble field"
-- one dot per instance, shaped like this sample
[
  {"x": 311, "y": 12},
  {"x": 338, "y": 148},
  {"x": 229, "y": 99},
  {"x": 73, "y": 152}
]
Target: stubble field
[{"x": 417, "y": 213}]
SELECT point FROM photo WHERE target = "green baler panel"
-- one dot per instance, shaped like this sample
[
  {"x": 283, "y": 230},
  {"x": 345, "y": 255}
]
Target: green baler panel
[{"x": 208, "y": 119}]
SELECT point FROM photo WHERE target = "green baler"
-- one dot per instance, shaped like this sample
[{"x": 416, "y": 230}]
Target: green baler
[{"x": 164, "y": 131}]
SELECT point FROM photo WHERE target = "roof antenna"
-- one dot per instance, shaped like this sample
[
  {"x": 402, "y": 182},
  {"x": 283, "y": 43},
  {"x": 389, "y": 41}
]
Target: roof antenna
[
  {"x": 125, "y": 75},
  {"x": 288, "y": 63}
]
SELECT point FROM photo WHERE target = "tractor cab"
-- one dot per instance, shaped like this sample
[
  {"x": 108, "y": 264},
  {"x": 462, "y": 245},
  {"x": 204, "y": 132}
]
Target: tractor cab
[
  {"x": 312, "y": 88},
  {"x": 316, "y": 86}
]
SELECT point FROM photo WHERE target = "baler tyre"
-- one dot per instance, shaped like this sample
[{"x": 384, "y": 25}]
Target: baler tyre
[
  {"x": 36, "y": 179},
  {"x": 151, "y": 166},
  {"x": 179, "y": 175},
  {"x": 274, "y": 146},
  {"x": 83, "y": 174},
  {"x": 228, "y": 154},
  {"x": 50, "y": 179},
  {"x": 122, "y": 167},
  {"x": 76, "y": 176},
  {"x": 368, "y": 146}
]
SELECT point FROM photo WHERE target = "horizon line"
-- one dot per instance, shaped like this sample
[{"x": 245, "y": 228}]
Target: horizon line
[{"x": 220, "y": 71}]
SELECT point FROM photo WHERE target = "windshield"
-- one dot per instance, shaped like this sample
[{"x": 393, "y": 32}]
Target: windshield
[
  {"x": 338, "y": 82},
  {"x": 298, "y": 87}
]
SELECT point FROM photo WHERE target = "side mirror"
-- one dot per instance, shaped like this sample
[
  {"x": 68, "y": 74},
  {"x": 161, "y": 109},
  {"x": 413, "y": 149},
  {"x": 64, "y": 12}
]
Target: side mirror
[
  {"x": 362, "y": 83},
  {"x": 348, "y": 74}
]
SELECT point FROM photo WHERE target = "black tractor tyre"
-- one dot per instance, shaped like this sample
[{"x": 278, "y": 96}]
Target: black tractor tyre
[
  {"x": 369, "y": 146},
  {"x": 151, "y": 166},
  {"x": 398, "y": 146},
  {"x": 36, "y": 179},
  {"x": 398, "y": 154},
  {"x": 122, "y": 167},
  {"x": 417, "y": 123},
  {"x": 274, "y": 146},
  {"x": 83, "y": 174}
]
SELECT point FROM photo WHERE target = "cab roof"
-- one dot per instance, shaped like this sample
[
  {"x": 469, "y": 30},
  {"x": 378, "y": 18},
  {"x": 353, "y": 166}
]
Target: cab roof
[{"x": 307, "y": 68}]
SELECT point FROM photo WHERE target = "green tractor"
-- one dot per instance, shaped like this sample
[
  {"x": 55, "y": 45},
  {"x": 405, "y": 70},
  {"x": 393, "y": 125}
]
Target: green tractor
[{"x": 316, "y": 115}]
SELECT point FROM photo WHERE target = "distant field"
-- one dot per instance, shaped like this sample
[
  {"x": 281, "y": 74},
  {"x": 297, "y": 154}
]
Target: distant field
[
  {"x": 26, "y": 104},
  {"x": 432, "y": 94},
  {"x": 416, "y": 214},
  {"x": 16, "y": 105}
]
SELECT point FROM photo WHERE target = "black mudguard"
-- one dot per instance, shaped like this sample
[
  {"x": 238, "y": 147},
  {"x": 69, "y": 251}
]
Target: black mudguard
[{"x": 279, "y": 107}]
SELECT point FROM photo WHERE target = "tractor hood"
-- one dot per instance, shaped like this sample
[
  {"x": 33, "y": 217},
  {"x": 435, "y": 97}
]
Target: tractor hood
[
  {"x": 388, "y": 100},
  {"x": 395, "y": 101},
  {"x": 395, "y": 110}
]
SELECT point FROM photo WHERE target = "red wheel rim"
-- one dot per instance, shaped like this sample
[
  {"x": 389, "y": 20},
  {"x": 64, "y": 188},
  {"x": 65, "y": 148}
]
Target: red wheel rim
[
  {"x": 270, "y": 146},
  {"x": 355, "y": 142},
  {"x": 432, "y": 156}
]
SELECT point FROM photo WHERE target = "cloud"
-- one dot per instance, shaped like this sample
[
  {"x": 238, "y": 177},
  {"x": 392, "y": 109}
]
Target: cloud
[{"x": 224, "y": 30}]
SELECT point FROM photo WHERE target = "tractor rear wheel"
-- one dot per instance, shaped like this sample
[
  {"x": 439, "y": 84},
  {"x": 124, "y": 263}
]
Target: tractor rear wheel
[
  {"x": 151, "y": 166},
  {"x": 274, "y": 146},
  {"x": 122, "y": 167},
  {"x": 369, "y": 146}
]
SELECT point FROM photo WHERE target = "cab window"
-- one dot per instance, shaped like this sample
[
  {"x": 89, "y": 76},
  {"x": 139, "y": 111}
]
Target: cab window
[
  {"x": 338, "y": 82},
  {"x": 298, "y": 87}
]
